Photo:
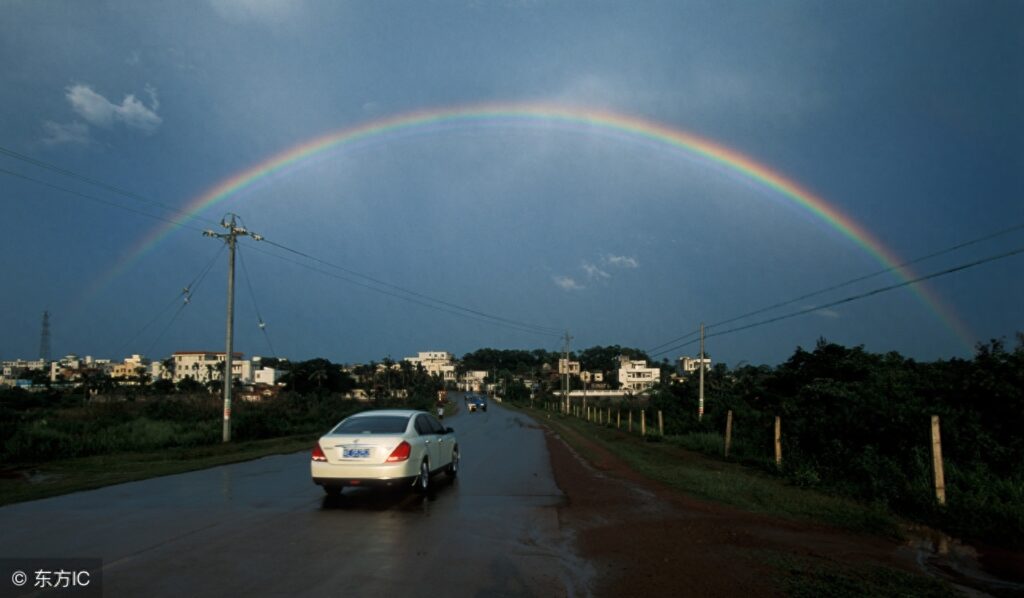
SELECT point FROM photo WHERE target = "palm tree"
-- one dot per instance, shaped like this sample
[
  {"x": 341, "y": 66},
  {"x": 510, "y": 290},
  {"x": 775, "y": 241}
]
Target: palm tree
[
  {"x": 168, "y": 368},
  {"x": 319, "y": 374},
  {"x": 141, "y": 376}
]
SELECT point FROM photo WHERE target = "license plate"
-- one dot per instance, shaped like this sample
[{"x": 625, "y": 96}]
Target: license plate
[{"x": 355, "y": 453}]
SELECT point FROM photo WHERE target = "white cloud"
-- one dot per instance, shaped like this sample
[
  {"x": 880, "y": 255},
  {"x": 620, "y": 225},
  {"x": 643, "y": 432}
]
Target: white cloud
[
  {"x": 827, "y": 313},
  {"x": 567, "y": 284},
  {"x": 622, "y": 261},
  {"x": 60, "y": 133},
  {"x": 101, "y": 112},
  {"x": 594, "y": 272}
]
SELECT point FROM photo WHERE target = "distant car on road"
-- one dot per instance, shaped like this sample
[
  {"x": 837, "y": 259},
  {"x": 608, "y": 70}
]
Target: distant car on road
[
  {"x": 388, "y": 447},
  {"x": 477, "y": 403}
]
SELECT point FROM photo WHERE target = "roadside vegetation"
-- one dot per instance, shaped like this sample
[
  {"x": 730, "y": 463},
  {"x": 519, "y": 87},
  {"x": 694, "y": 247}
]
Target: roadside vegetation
[
  {"x": 65, "y": 440},
  {"x": 805, "y": 577},
  {"x": 857, "y": 425}
]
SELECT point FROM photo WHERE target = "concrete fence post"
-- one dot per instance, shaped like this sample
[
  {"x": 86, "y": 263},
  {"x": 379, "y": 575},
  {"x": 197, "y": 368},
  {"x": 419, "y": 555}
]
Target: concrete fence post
[
  {"x": 940, "y": 478},
  {"x": 728, "y": 432},
  {"x": 778, "y": 441}
]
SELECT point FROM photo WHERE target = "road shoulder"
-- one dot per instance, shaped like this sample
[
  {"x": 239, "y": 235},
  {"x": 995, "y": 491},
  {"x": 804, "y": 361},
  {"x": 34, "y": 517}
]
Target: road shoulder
[{"x": 646, "y": 539}]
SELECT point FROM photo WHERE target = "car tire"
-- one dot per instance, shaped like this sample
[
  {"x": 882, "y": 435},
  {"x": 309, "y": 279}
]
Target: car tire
[
  {"x": 333, "y": 491},
  {"x": 423, "y": 480},
  {"x": 453, "y": 467}
]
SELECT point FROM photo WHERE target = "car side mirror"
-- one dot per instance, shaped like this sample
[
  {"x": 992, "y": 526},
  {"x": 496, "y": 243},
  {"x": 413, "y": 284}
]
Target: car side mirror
[{"x": 449, "y": 431}]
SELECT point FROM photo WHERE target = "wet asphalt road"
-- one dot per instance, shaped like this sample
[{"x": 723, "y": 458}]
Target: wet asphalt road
[{"x": 262, "y": 528}]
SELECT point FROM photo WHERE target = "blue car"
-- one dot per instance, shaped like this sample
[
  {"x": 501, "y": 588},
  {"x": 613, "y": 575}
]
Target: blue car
[{"x": 476, "y": 403}]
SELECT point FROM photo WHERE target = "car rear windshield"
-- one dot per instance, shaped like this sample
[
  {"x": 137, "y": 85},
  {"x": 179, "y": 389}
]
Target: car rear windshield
[{"x": 372, "y": 424}]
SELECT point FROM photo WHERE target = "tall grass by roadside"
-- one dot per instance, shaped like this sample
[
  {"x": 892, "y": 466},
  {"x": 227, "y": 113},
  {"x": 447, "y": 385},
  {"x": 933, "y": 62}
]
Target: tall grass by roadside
[{"x": 58, "y": 431}]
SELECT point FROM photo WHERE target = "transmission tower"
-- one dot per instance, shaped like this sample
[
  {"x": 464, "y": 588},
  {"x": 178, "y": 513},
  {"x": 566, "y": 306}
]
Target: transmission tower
[{"x": 44, "y": 338}]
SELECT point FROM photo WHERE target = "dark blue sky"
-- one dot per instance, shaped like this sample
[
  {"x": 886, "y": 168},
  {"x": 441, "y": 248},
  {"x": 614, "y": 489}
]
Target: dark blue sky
[{"x": 905, "y": 116}]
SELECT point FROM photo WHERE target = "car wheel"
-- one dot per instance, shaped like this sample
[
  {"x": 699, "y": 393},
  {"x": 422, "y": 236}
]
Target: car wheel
[
  {"x": 453, "y": 467},
  {"x": 423, "y": 482},
  {"x": 333, "y": 491}
]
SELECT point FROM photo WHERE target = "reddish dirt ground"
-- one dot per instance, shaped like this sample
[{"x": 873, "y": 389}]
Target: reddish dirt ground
[{"x": 644, "y": 539}]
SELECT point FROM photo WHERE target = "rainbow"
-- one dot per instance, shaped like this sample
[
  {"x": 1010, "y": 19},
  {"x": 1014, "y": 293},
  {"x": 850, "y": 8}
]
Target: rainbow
[{"x": 572, "y": 119}]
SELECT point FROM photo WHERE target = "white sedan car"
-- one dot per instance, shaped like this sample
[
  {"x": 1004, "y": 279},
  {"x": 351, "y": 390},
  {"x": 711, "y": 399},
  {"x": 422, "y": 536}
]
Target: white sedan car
[{"x": 387, "y": 447}]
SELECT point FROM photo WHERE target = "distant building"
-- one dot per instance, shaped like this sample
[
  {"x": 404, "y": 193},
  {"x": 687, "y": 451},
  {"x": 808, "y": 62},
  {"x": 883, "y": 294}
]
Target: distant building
[
  {"x": 635, "y": 376},
  {"x": 268, "y": 376},
  {"x": 259, "y": 392},
  {"x": 473, "y": 381},
  {"x": 207, "y": 366},
  {"x": 12, "y": 372},
  {"x": 566, "y": 366},
  {"x": 436, "y": 363},
  {"x": 68, "y": 368},
  {"x": 690, "y": 364},
  {"x": 129, "y": 369},
  {"x": 159, "y": 371}
]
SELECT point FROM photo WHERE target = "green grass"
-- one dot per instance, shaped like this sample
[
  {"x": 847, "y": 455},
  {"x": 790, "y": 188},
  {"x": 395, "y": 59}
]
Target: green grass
[
  {"x": 30, "y": 481},
  {"x": 806, "y": 577},
  {"x": 729, "y": 483}
]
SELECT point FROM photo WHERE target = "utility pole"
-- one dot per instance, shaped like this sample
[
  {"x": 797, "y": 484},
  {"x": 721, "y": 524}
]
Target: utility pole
[
  {"x": 230, "y": 237},
  {"x": 700, "y": 407},
  {"x": 565, "y": 383}
]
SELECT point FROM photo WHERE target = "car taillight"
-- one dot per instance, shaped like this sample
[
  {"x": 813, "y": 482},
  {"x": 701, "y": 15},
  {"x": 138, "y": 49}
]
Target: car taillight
[
  {"x": 401, "y": 452},
  {"x": 318, "y": 454}
]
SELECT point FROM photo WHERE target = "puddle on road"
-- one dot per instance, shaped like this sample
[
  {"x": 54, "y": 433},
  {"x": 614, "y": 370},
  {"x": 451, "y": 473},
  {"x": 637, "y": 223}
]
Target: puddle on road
[{"x": 980, "y": 572}]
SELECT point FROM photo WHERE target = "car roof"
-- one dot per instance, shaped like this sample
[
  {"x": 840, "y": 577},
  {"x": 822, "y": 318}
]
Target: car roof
[{"x": 390, "y": 412}]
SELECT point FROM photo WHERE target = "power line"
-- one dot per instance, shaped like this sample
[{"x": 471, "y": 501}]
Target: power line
[
  {"x": 852, "y": 298},
  {"x": 458, "y": 309},
  {"x": 421, "y": 296},
  {"x": 188, "y": 292},
  {"x": 98, "y": 199},
  {"x": 259, "y": 317},
  {"x": 511, "y": 324},
  {"x": 185, "y": 296},
  {"x": 97, "y": 183},
  {"x": 957, "y": 247}
]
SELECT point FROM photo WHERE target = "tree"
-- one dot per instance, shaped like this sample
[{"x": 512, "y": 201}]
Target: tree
[
  {"x": 168, "y": 367},
  {"x": 39, "y": 378},
  {"x": 606, "y": 359},
  {"x": 317, "y": 376},
  {"x": 189, "y": 385},
  {"x": 163, "y": 386},
  {"x": 142, "y": 377}
]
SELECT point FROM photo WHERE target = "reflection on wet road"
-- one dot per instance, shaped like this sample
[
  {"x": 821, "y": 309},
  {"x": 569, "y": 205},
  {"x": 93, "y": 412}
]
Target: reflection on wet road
[{"x": 262, "y": 528}]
